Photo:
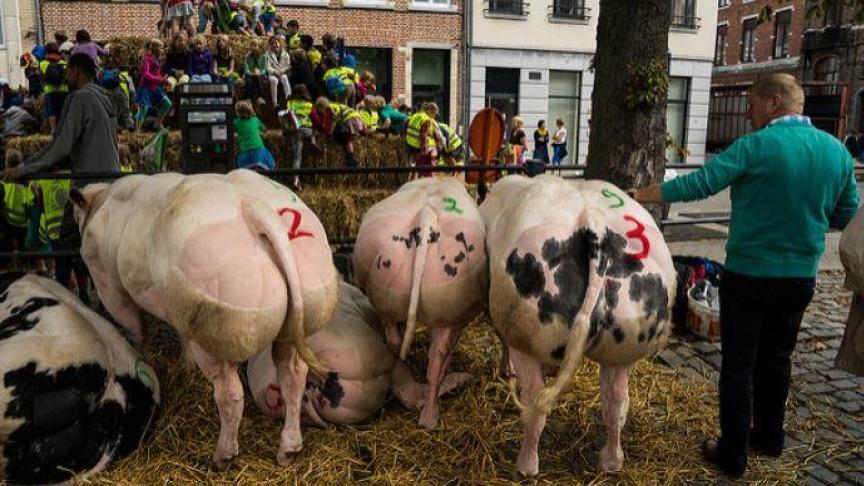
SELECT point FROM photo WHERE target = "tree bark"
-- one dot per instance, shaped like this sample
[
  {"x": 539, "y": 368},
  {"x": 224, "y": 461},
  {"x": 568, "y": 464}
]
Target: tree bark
[{"x": 627, "y": 144}]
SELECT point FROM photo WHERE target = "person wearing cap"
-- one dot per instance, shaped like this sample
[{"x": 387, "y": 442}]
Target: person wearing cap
[{"x": 789, "y": 182}]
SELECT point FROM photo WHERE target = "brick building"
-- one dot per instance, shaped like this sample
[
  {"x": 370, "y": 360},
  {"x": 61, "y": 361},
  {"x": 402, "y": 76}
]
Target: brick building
[
  {"x": 745, "y": 48},
  {"x": 414, "y": 47},
  {"x": 747, "y": 45}
]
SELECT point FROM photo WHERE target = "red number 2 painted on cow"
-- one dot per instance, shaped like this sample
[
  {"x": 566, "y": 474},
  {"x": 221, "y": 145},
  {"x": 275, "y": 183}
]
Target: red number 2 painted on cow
[
  {"x": 295, "y": 223},
  {"x": 638, "y": 233}
]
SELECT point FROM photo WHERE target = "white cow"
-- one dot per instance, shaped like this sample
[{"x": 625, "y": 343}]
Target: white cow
[
  {"x": 419, "y": 257},
  {"x": 232, "y": 262},
  {"x": 74, "y": 394},
  {"x": 363, "y": 371},
  {"x": 575, "y": 270}
]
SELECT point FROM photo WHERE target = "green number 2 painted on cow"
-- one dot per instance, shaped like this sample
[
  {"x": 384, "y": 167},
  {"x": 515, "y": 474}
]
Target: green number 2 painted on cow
[
  {"x": 451, "y": 207},
  {"x": 608, "y": 193}
]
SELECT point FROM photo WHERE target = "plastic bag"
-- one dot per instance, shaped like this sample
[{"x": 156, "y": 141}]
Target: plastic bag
[{"x": 153, "y": 153}]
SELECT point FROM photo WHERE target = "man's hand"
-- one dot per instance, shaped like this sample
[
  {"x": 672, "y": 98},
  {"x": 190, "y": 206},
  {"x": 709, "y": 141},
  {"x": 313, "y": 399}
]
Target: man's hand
[
  {"x": 650, "y": 194},
  {"x": 10, "y": 174}
]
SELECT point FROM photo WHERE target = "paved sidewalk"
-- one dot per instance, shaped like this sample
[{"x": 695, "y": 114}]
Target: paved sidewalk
[{"x": 826, "y": 418}]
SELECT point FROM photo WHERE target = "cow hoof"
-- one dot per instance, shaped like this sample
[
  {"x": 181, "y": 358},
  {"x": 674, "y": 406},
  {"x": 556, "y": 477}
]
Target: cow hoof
[
  {"x": 527, "y": 464},
  {"x": 428, "y": 420},
  {"x": 285, "y": 459},
  {"x": 220, "y": 464},
  {"x": 611, "y": 461},
  {"x": 518, "y": 476}
]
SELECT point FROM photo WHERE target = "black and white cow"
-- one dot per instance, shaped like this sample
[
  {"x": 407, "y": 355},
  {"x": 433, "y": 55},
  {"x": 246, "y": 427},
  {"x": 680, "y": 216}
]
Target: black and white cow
[
  {"x": 75, "y": 395},
  {"x": 574, "y": 270}
]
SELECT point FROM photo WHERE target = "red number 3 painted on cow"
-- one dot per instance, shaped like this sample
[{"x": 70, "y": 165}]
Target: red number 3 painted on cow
[
  {"x": 638, "y": 233},
  {"x": 296, "y": 218}
]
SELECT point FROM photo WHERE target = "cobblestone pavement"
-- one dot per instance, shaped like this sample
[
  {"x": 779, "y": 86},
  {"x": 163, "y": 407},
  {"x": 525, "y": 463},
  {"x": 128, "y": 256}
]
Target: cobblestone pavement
[{"x": 825, "y": 422}]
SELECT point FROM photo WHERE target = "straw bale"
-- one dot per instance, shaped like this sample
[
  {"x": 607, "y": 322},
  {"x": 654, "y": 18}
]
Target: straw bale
[
  {"x": 475, "y": 443},
  {"x": 340, "y": 211},
  {"x": 371, "y": 151}
]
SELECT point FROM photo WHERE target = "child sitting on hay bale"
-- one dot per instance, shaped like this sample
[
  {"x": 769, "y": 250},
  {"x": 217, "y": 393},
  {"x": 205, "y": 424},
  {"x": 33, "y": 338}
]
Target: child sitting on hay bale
[
  {"x": 150, "y": 93},
  {"x": 224, "y": 57},
  {"x": 201, "y": 63},
  {"x": 252, "y": 153},
  {"x": 177, "y": 61},
  {"x": 255, "y": 67}
]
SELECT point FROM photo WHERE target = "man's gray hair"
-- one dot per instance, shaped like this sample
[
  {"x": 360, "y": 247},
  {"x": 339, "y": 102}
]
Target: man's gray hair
[{"x": 784, "y": 86}]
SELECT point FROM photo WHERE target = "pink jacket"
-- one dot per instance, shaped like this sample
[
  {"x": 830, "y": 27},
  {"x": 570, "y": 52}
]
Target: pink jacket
[{"x": 150, "y": 72}]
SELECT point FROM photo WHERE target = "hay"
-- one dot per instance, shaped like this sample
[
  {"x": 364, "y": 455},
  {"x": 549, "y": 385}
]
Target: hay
[
  {"x": 476, "y": 442},
  {"x": 371, "y": 151},
  {"x": 340, "y": 211}
]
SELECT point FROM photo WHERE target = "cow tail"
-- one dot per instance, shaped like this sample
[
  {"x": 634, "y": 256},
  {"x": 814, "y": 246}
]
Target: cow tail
[
  {"x": 266, "y": 221},
  {"x": 578, "y": 337},
  {"x": 427, "y": 217}
]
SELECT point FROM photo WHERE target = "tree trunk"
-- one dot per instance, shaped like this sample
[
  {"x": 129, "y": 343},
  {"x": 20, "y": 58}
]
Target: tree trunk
[{"x": 628, "y": 138}]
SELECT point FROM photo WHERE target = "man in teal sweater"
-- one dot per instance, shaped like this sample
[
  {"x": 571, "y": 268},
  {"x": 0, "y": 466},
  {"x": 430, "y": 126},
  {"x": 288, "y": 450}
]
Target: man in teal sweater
[{"x": 789, "y": 183}]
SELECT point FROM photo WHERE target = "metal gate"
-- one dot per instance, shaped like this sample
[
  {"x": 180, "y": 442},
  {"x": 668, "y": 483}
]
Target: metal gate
[{"x": 825, "y": 103}]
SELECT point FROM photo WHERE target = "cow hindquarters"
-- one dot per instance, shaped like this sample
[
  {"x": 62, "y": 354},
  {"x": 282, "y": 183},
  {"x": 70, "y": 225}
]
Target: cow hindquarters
[
  {"x": 228, "y": 392},
  {"x": 291, "y": 373},
  {"x": 615, "y": 396},
  {"x": 529, "y": 372}
]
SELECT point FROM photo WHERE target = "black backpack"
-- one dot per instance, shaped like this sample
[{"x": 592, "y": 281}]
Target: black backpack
[{"x": 55, "y": 73}]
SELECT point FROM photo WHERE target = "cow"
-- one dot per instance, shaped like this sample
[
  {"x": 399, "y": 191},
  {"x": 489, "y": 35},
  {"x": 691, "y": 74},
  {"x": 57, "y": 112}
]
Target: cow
[
  {"x": 420, "y": 256},
  {"x": 363, "y": 370},
  {"x": 575, "y": 269},
  {"x": 232, "y": 262},
  {"x": 75, "y": 395}
]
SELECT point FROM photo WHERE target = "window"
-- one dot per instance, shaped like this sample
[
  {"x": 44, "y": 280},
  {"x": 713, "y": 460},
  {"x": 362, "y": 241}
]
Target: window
[
  {"x": 502, "y": 91},
  {"x": 723, "y": 3},
  {"x": 430, "y": 79},
  {"x": 782, "y": 27},
  {"x": 2, "y": 25},
  {"x": 564, "y": 88},
  {"x": 379, "y": 62},
  {"x": 748, "y": 40},
  {"x": 832, "y": 14},
  {"x": 827, "y": 69},
  {"x": 684, "y": 14},
  {"x": 676, "y": 116},
  {"x": 507, "y": 7},
  {"x": 720, "y": 45},
  {"x": 569, "y": 9},
  {"x": 432, "y": 2}
]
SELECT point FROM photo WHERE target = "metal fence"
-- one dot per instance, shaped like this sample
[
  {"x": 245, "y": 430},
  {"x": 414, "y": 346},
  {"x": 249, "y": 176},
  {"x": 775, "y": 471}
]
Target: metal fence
[{"x": 567, "y": 172}]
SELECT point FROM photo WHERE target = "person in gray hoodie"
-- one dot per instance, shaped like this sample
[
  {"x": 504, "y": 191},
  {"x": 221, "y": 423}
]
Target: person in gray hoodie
[{"x": 86, "y": 135}]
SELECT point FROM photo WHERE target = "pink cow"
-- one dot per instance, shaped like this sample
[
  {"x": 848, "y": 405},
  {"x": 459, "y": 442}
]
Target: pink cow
[
  {"x": 420, "y": 257},
  {"x": 233, "y": 263},
  {"x": 575, "y": 269}
]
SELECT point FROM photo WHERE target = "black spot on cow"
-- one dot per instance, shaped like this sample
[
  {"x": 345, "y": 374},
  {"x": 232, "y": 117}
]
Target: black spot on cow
[
  {"x": 331, "y": 390},
  {"x": 649, "y": 290},
  {"x": 66, "y": 429},
  {"x": 642, "y": 337},
  {"x": 460, "y": 237},
  {"x": 558, "y": 353},
  {"x": 603, "y": 316},
  {"x": 443, "y": 258},
  {"x": 652, "y": 332},
  {"x": 434, "y": 236},
  {"x": 8, "y": 278},
  {"x": 378, "y": 262},
  {"x": 527, "y": 274},
  {"x": 618, "y": 334},
  {"x": 470, "y": 248},
  {"x": 614, "y": 262},
  {"x": 569, "y": 260},
  {"x": 412, "y": 240},
  {"x": 20, "y": 318},
  {"x": 450, "y": 270},
  {"x": 460, "y": 257},
  {"x": 386, "y": 264}
]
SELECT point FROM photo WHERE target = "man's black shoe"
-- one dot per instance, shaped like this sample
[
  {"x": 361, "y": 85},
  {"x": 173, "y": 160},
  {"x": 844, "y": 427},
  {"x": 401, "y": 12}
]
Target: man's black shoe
[
  {"x": 709, "y": 451},
  {"x": 760, "y": 449}
]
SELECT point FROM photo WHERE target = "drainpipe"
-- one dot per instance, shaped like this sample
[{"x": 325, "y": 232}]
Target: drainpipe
[
  {"x": 466, "y": 84},
  {"x": 40, "y": 35}
]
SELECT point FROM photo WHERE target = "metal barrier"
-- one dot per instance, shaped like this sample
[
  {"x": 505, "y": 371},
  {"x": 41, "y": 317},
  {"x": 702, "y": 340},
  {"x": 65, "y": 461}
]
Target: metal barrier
[{"x": 281, "y": 173}]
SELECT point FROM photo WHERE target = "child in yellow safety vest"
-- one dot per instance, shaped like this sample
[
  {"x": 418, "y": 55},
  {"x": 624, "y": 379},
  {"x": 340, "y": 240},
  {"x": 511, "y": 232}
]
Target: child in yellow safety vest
[
  {"x": 369, "y": 113},
  {"x": 347, "y": 124},
  {"x": 297, "y": 125},
  {"x": 421, "y": 137}
]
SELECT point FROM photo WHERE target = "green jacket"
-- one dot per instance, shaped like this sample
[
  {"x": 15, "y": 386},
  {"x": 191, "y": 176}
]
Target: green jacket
[
  {"x": 790, "y": 181},
  {"x": 253, "y": 62}
]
